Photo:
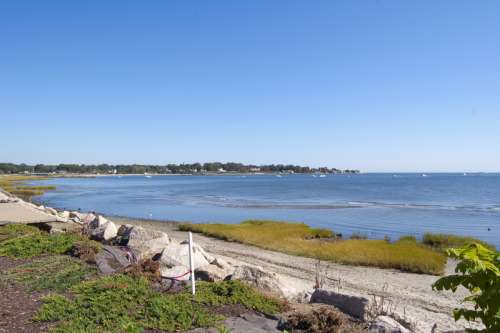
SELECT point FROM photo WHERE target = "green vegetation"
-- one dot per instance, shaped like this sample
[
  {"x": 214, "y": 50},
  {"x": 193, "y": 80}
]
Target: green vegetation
[
  {"x": 122, "y": 303},
  {"x": 478, "y": 272},
  {"x": 35, "y": 244},
  {"x": 56, "y": 273},
  {"x": 14, "y": 185},
  {"x": 235, "y": 292},
  {"x": 443, "y": 242},
  {"x": 11, "y": 231},
  {"x": 300, "y": 239}
]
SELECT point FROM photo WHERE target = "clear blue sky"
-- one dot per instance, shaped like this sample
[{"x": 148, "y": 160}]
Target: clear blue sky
[{"x": 375, "y": 85}]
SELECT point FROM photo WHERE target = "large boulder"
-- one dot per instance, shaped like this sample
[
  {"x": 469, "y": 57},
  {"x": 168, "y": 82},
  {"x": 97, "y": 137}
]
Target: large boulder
[
  {"x": 64, "y": 214},
  {"x": 211, "y": 273},
  {"x": 144, "y": 242},
  {"x": 51, "y": 211},
  {"x": 385, "y": 324},
  {"x": 178, "y": 255},
  {"x": 261, "y": 279},
  {"x": 104, "y": 232}
]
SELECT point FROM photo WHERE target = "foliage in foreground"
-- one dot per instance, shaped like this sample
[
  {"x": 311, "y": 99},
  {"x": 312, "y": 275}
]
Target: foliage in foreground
[
  {"x": 300, "y": 239},
  {"x": 443, "y": 242},
  {"x": 479, "y": 272},
  {"x": 35, "y": 244},
  {"x": 124, "y": 303},
  {"x": 56, "y": 273}
]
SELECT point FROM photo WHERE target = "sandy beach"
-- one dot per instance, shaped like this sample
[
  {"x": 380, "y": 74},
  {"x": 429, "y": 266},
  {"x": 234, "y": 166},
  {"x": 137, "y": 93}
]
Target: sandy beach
[{"x": 408, "y": 295}]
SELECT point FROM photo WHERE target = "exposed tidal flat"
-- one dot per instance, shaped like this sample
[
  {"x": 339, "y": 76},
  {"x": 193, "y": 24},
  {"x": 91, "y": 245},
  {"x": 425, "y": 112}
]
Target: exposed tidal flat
[{"x": 373, "y": 205}]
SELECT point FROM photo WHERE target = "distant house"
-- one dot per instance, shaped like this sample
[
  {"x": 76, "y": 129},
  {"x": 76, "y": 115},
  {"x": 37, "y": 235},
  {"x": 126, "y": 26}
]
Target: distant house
[
  {"x": 221, "y": 170},
  {"x": 254, "y": 169}
]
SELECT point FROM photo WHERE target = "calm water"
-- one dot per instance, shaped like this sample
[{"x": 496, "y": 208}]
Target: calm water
[{"x": 373, "y": 204}]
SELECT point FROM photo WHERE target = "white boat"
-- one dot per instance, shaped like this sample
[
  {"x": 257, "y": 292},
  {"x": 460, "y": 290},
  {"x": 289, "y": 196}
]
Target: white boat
[
  {"x": 322, "y": 176},
  {"x": 279, "y": 176},
  {"x": 424, "y": 175}
]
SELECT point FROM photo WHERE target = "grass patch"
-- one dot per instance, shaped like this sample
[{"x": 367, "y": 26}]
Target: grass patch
[
  {"x": 300, "y": 239},
  {"x": 56, "y": 273},
  {"x": 36, "y": 244},
  {"x": 443, "y": 242},
  {"x": 11, "y": 231},
  {"x": 122, "y": 303}
]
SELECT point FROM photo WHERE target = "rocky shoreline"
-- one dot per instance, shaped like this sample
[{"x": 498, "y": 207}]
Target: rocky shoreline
[{"x": 376, "y": 296}]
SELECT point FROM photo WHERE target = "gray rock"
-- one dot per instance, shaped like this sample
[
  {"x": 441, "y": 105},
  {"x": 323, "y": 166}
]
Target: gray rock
[
  {"x": 259, "y": 278},
  {"x": 385, "y": 324},
  {"x": 104, "y": 232},
  {"x": 146, "y": 243},
  {"x": 246, "y": 323},
  {"x": 50, "y": 210},
  {"x": 211, "y": 273},
  {"x": 64, "y": 214},
  {"x": 353, "y": 305},
  {"x": 178, "y": 255}
]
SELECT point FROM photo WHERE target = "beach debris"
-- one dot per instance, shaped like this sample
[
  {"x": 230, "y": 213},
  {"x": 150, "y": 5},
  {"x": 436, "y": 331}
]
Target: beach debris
[
  {"x": 104, "y": 232},
  {"x": 85, "y": 250},
  {"x": 355, "y": 306},
  {"x": 386, "y": 324},
  {"x": 145, "y": 243}
]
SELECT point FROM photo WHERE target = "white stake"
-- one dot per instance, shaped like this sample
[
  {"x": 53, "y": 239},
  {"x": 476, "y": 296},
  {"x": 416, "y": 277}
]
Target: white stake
[{"x": 191, "y": 263}]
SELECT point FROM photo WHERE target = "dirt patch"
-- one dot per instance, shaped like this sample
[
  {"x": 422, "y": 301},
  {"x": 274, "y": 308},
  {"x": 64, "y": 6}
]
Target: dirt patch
[{"x": 17, "y": 307}]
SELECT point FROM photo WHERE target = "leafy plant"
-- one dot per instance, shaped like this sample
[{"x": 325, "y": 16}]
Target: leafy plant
[{"x": 479, "y": 272}]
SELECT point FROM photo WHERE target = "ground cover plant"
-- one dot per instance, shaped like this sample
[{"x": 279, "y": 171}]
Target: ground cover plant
[
  {"x": 11, "y": 231},
  {"x": 56, "y": 273},
  {"x": 125, "y": 303},
  {"x": 479, "y": 272},
  {"x": 300, "y": 239},
  {"x": 35, "y": 244}
]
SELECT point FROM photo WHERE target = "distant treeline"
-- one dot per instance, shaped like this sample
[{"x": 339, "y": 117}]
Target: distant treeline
[{"x": 214, "y": 167}]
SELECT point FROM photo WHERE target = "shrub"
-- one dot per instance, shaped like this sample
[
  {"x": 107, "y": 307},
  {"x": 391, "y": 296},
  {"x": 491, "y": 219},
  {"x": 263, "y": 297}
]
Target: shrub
[{"x": 479, "y": 272}]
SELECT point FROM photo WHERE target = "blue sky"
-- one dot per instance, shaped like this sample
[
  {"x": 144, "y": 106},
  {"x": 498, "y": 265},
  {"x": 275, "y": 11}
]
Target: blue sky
[{"x": 375, "y": 85}]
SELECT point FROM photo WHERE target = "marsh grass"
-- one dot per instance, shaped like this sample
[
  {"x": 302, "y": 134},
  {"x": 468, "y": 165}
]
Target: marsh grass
[
  {"x": 14, "y": 184},
  {"x": 56, "y": 273},
  {"x": 299, "y": 239},
  {"x": 122, "y": 303},
  {"x": 443, "y": 242}
]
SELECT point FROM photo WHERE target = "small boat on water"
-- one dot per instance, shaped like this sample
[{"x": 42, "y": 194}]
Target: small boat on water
[
  {"x": 322, "y": 176},
  {"x": 424, "y": 175},
  {"x": 147, "y": 175},
  {"x": 279, "y": 176}
]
